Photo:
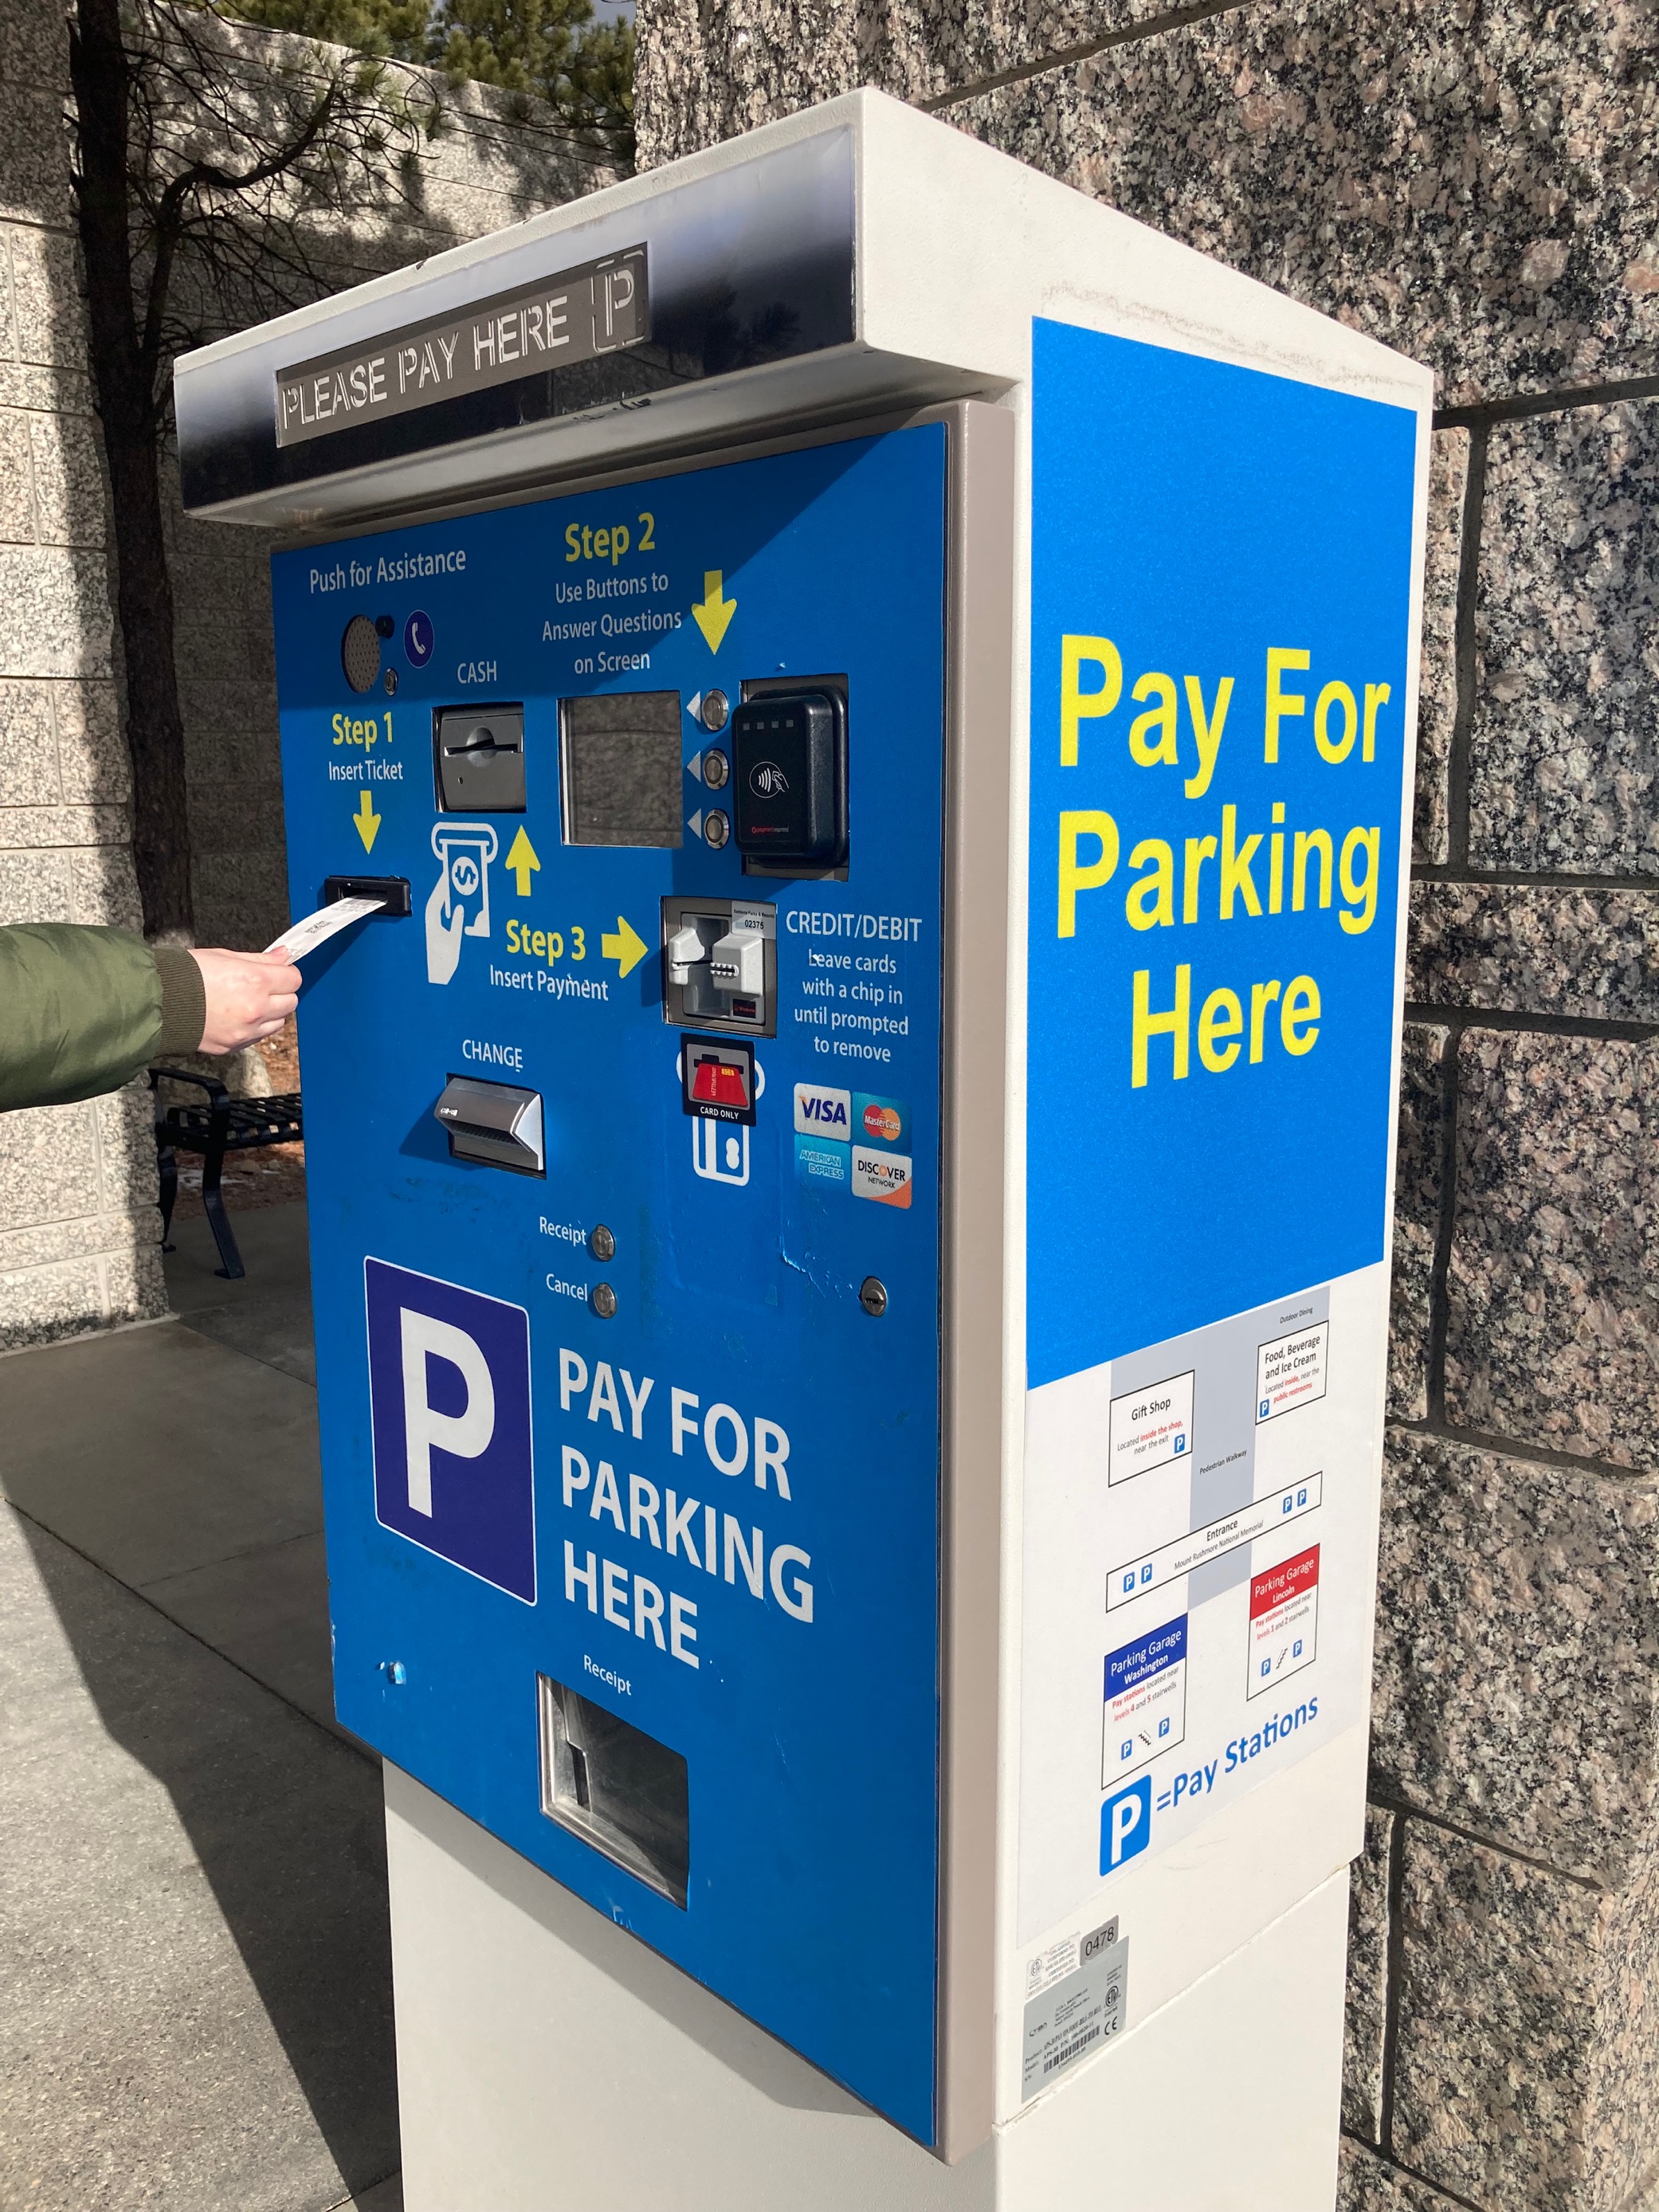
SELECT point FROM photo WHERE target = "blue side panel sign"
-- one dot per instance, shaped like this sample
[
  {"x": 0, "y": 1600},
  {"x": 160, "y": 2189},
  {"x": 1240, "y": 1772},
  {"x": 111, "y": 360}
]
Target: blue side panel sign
[
  {"x": 1220, "y": 626},
  {"x": 449, "y": 1392}
]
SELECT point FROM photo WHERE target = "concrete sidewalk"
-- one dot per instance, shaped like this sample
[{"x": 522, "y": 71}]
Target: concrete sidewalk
[{"x": 193, "y": 1944}]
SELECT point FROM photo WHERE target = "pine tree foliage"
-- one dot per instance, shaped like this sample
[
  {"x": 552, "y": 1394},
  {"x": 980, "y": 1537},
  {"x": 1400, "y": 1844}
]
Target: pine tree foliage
[{"x": 553, "y": 50}]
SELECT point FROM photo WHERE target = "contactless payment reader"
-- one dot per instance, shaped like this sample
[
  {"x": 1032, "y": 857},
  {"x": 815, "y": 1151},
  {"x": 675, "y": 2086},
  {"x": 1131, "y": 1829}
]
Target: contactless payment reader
[{"x": 850, "y": 1172}]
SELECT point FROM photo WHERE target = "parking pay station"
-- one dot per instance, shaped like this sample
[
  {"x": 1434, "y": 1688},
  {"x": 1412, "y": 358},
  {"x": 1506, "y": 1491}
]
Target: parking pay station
[{"x": 850, "y": 1167}]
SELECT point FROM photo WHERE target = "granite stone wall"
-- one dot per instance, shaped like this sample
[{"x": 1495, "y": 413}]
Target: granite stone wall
[
  {"x": 1475, "y": 184},
  {"x": 78, "y": 1225}
]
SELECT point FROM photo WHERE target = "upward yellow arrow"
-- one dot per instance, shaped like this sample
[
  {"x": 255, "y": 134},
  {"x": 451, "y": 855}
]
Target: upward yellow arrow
[
  {"x": 366, "y": 822},
  {"x": 625, "y": 945},
  {"x": 713, "y": 611},
  {"x": 521, "y": 859}
]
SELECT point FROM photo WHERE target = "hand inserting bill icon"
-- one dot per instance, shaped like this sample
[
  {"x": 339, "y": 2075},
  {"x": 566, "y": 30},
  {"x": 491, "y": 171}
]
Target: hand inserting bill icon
[{"x": 459, "y": 904}]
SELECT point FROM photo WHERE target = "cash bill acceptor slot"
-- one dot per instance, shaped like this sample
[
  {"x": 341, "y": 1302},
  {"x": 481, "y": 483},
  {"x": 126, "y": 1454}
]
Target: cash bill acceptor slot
[{"x": 882, "y": 692}]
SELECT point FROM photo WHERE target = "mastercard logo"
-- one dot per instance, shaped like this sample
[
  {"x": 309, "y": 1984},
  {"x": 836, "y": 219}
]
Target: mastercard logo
[{"x": 883, "y": 1122}]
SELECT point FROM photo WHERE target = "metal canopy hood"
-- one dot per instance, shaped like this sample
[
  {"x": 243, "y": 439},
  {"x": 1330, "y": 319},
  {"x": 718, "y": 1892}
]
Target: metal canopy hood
[
  {"x": 858, "y": 258},
  {"x": 747, "y": 280}
]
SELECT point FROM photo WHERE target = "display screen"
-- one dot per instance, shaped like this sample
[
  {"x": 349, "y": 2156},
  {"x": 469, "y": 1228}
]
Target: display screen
[{"x": 620, "y": 758}]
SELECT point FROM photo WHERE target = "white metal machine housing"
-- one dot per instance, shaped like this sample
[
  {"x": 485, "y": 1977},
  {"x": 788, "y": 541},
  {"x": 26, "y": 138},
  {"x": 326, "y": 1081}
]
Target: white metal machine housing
[{"x": 1142, "y": 1133}]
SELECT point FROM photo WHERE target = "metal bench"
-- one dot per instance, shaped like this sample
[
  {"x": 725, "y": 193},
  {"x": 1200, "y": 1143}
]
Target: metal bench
[{"x": 223, "y": 1125}]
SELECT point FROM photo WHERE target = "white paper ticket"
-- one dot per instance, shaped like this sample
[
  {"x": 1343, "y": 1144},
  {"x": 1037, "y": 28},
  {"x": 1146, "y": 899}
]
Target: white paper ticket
[{"x": 317, "y": 928}]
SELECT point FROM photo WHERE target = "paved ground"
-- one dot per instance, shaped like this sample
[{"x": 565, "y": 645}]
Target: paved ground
[{"x": 193, "y": 1947}]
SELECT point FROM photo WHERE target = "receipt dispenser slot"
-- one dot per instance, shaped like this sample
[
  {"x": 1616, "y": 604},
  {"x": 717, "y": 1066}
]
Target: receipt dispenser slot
[
  {"x": 496, "y": 1124},
  {"x": 617, "y": 1787}
]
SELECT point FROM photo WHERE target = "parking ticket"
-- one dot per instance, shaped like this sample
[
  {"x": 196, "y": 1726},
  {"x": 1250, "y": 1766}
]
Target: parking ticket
[{"x": 317, "y": 928}]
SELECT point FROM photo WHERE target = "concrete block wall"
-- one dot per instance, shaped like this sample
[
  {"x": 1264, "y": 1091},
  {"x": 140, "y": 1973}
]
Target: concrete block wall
[
  {"x": 78, "y": 1225},
  {"x": 1475, "y": 184},
  {"x": 79, "y": 1228}
]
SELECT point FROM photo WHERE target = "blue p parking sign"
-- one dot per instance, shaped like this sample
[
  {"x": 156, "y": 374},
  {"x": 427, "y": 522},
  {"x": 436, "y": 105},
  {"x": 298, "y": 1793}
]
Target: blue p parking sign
[
  {"x": 1126, "y": 1825},
  {"x": 449, "y": 1394}
]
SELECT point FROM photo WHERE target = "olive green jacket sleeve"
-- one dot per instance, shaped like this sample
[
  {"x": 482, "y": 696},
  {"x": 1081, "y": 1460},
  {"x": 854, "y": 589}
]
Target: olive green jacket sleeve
[{"x": 83, "y": 1010}]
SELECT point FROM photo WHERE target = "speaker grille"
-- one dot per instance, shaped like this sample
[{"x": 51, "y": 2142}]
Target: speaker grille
[{"x": 359, "y": 654}]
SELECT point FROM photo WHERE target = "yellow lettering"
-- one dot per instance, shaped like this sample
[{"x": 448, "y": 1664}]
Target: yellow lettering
[
  {"x": 1276, "y": 863},
  {"x": 1077, "y": 705},
  {"x": 1361, "y": 894},
  {"x": 1150, "y": 903},
  {"x": 1335, "y": 749},
  {"x": 339, "y": 729},
  {"x": 1198, "y": 850},
  {"x": 573, "y": 538},
  {"x": 1147, "y": 1025},
  {"x": 1075, "y": 876},
  {"x": 1377, "y": 696},
  {"x": 1236, "y": 865},
  {"x": 1299, "y": 1011},
  {"x": 1306, "y": 842},
  {"x": 1142, "y": 751},
  {"x": 1282, "y": 704},
  {"x": 1261, "y": 996},
  {"x": 1222, "y": 1018},
  {"x": 1206, "y": 730}
]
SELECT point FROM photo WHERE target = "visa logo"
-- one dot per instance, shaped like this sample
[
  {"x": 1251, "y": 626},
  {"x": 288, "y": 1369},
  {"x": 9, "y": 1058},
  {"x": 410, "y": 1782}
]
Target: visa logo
[{"x": 822, "y": 1113}]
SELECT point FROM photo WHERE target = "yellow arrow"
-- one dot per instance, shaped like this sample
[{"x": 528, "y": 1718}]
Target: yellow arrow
[
  {"x": 713, "y": 611},
  {"x": 521, "y": 859},
  {"x": 366, "y": 822},
  {"x": 626, "y": 947}
]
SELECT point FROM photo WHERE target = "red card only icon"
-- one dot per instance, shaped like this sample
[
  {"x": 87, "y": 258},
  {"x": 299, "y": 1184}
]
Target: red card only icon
[{"x": 718, "y": 1082}]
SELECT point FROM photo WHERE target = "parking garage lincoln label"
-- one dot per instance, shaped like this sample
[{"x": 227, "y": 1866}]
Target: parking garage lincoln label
[{"x": 574, "y": 316}]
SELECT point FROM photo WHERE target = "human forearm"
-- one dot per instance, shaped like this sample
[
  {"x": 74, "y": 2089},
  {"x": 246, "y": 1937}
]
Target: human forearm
[{"x": 82, "y": 1010}]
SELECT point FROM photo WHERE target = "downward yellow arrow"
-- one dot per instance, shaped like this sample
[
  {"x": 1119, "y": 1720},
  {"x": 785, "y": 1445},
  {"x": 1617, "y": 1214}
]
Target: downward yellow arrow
[
  {"x": 366, "y": 822},
  {"x": 625, "y": 946},
  {"x": 713, "y": 611},
  {"x": 521, "y": 859}
]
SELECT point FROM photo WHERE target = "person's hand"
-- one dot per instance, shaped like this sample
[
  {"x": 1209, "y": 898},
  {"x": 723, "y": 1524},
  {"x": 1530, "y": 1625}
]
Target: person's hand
[{"x": 249, "y": 996}]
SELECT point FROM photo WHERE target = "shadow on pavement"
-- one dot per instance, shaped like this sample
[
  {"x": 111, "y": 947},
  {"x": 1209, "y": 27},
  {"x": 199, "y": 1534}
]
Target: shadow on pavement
[
  {"x": 285, "y": 1823},
  {"x": 168, "y": 1488}
]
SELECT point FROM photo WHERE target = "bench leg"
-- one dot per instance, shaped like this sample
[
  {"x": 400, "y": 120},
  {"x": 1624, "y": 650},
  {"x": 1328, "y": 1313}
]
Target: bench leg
[
  {"x": 213, "y": 1206},
  {"x": 168, "y": 1166}
]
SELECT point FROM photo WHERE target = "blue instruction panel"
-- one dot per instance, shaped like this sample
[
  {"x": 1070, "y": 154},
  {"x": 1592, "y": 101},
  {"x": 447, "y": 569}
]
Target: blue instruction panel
[{"x": 623, "y": 1154}]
